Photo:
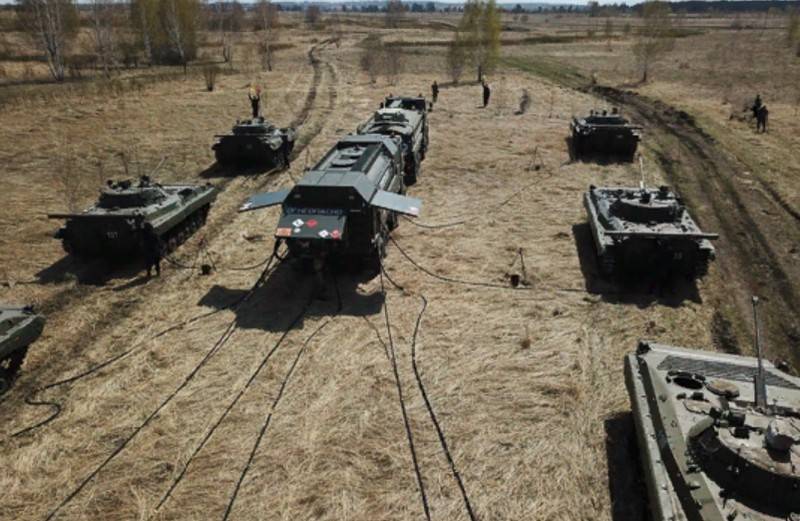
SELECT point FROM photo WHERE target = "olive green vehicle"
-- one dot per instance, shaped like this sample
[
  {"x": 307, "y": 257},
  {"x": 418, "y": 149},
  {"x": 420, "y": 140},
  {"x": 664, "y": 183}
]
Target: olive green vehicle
[
  {"x": 719, "y": 435},
  {"x": 646, "y": 231},
  {"x": 604, "y": 134},
  {"x": 19, "y": 328},
  {"x": 255, "y": 142},
  {"x": 112, "y": 228}
]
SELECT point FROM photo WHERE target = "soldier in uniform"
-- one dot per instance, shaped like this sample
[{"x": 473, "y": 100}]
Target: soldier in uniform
[
  {"x": 435, "y": 91},
  {"x": 486, "y": 93},
  {"x": 255, "y": 99},
  {"x": 757, "y": 104},
  {"x": 151, "y": 246}
]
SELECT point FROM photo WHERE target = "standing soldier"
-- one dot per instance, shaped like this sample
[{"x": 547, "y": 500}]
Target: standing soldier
[
  {"x": 151, "y": 246},
  {"x": 486, "y": 93},
  {"x": 435, "y": 91},
  {"x": 756, "y": 105},
  {"x": 255, "y": 99}
]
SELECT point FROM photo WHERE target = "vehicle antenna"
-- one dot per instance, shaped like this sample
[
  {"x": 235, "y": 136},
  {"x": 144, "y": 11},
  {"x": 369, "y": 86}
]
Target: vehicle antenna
[
  {"x": 642, "y": 183},
  {"x": 759, "y": 380}
]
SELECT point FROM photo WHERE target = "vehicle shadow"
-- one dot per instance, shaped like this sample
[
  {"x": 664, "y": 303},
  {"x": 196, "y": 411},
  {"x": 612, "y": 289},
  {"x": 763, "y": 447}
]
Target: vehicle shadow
[
  {"x": 639, "y": 289},
  {"x": 626, "y": 485},
  {"x": 288, "y": 290},
  {"x": 596, "y": 158},
  {"x": 90, "y": 272}
]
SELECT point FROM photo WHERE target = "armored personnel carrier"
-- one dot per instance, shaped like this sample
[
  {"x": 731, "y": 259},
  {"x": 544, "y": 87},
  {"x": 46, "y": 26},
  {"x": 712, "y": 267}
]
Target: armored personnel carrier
[
  {"x": 19, "y": 328},
  {"x": 255, "y": 142},
  {"x": 415, "y": 103},
  {"x": 411, "y": 126},
  {"x": 112, "y": 228},
  {"x": 646, "y": 230},
  {"x": 719, "y": 435},
  {"x": 603, "y": 134},
  {"x": 346, "y": 205}
]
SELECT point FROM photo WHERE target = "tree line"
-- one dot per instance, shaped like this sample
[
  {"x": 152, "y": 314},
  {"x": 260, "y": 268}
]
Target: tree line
[{"x": 124, "y": 33}]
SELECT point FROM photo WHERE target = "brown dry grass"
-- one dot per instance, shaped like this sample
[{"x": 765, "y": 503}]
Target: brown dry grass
[{"x": 527, "y": 384}]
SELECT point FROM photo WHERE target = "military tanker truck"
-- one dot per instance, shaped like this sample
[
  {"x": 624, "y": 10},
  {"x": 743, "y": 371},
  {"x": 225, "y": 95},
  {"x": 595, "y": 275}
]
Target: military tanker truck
[
  {"x": 19, "y": 328},
  {"x": 606, "y": 135},
  {"x": 646, "y": 230},
  {"x": 112, "y": 227},
  {"x": 718, "y": 434},
  {"x": 345, "y": 206},
  {"x": 411, "y": 126},
  {"x": 255, "y": 142}
]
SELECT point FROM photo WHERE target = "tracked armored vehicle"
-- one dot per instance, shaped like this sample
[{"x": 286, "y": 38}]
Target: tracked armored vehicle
[
  {"x": 19, "y": 328},
  {"x": 345, "y": 206},
  {"x": 112, "y": 228},
  {"x": 415, "y": 103},
  {"x": 646, "y": 231},
  {"x": 602, "y": 134},
  {"x": 719, "y": 435},
  {"x": 411, "y": 126},
  {"x": 255, "y": 142}
]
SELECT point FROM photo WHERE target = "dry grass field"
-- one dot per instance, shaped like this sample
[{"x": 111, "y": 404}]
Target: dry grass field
[{"x": 253, "y": 412}]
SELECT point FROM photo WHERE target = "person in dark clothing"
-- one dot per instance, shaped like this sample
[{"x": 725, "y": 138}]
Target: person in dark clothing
[
  {"x": 486, "y": 93},
  {"x": 757, "y": 103},
  {"x": 255, "y": 99},
  {"x": 151, "y": 246},
  {"x": 435, "y": 91}
]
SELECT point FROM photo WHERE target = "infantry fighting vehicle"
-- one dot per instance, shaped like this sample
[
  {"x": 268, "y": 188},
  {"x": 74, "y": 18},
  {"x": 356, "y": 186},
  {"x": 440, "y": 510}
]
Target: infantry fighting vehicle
[
  {"x": 19, "y": 328},
  {"x": 411, "y": 126},
  {"x": 604, "y": 134},
  {"x": 646, "y": 230},
  {"x": 112, "y": 227},
  {"x": 719, "y": 435},
  {"x": 255, "y": 142},
  {"x": 416, "y": 103},
  {"x": 345, "y": 206}
]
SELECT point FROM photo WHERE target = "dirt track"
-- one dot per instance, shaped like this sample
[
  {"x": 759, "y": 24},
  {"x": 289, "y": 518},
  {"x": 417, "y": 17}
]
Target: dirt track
[
  {"x": 753, "y": 258},
  {"x": 254, "y": 411}
]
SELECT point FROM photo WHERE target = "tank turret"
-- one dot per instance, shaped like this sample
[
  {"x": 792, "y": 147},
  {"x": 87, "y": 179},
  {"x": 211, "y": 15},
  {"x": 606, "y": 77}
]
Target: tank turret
[{"x": 719, "y": 434}]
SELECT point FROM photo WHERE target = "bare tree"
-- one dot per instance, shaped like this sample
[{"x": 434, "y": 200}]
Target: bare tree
[
  {"x": 68, "y": 177},
  {"x": 655, "y": 36},
  {"x": 143, "y": 18},
  {"x": 179, "y": 21},
  {"x": 456, "y": 58},
  {"x": 608, "y": 30},
  {"x": 479, "y": 30},
  {"x": 210, "y": 76},
  {"x": 793, "y": 31},
  {"x": 395, "y": 11},
  {"x": 393, "y": 64},
  {"x": 103, "y": 13},
  {"x": 52, "y": 24},
  {"x": 313, "y": 16},
  {"x": 372, "y": 53},
  {"x": 267, "y": 22}
]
